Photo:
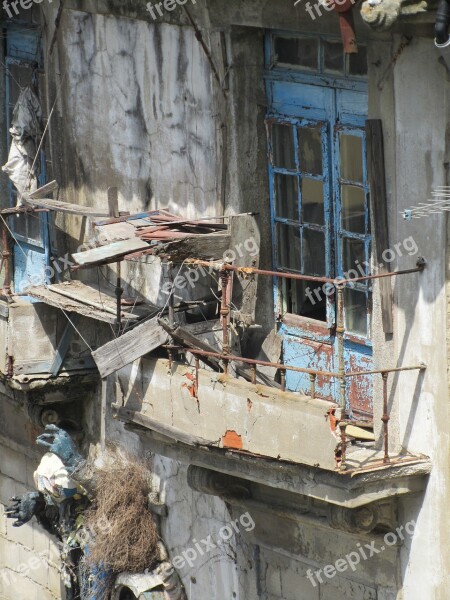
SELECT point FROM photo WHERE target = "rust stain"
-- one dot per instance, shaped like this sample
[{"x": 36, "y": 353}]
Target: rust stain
[
  {"x": 249, "y": 404},
  {"x": 232, "y": 440},
  {"x": 332, "y": 418},
  {"x": 192, "y": 389}
]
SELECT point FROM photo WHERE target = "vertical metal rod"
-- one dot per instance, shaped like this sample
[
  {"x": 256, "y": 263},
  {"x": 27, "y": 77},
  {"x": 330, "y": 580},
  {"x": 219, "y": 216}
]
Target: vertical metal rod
[
  {"x": 385, "y": 418},
  {"x": 224, "y": 314},
  {"x": 197, "y": 367},
  {"x": 312, "y": 383},
  {"x": 283, "y": 380},
  {"x": 340, "y": 330},
  {"x": 343, "y": 427},
  {"x": 172, "y": 294},
  {"x": 103, "y": 413},
  {"x": 254, "y": 375},
  {"x": 6, "y": 256},
  {"x": 119, "y": 292}
]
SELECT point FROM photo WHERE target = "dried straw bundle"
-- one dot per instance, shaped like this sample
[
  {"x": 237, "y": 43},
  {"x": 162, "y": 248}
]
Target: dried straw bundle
[{"x": 128, "y": 543}]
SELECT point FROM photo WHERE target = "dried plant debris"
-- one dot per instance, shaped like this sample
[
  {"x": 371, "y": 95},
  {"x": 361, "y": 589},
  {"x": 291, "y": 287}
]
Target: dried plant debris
[{"x": 125, "y": 533}]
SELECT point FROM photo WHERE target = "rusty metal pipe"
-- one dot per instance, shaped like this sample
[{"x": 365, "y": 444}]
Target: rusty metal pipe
[
  {"x": 385, "y": 418},
  {"x": 6, "y": 260},
  {"x": 381, "y": 371},
  {"x": 312, "y": 384},
  {"x": 295, "y": 276},
  {"x": 252, "y": 361},
  {"x": 340, "y": 332}
]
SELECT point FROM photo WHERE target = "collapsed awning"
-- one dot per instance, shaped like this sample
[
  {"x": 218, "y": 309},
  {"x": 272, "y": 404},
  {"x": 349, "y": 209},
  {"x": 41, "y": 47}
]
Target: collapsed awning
[{"x": 89, "y": 301}]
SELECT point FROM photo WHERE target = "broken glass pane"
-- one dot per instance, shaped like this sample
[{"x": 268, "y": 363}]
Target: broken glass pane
[
  {"x": 283, "y": 146},
  {"x": 351, "y": 158},
  {"x": 310, "y": 149},
  {"x": 286, "y": 196}
]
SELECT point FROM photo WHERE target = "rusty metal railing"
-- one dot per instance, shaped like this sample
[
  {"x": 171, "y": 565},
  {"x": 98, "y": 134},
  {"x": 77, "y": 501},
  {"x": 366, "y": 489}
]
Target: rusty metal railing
[{"x": 226, "y": 357}]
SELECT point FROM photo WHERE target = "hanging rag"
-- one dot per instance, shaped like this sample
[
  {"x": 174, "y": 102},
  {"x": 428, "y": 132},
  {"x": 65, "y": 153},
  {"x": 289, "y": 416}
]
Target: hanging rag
[{"x": 26, "y": 130}]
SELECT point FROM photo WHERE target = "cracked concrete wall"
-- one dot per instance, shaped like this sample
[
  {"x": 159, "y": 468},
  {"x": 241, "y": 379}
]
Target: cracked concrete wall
[{"x": 29, "y": 557}]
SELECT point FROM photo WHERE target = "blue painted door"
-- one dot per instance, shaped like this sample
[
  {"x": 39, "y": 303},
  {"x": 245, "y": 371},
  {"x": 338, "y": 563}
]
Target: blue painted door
[
  {"x": 320, "y": 208},
  {"x": 31, "y": 238}
]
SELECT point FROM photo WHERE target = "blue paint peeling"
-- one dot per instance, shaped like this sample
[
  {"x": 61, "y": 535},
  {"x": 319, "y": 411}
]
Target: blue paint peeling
[{"x": 336, "y": 106}]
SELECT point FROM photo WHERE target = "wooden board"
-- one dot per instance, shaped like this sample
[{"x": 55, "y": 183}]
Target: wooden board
[
  {"x": 91, "y": 296},
  {"x": 378, "y": 201},
  {"x": 129, "y": 347},
  {"x": 86, "y": 300},
  {"x": 109, "y": 253},
  {"x": 66, "y": 207},
  {"x": 204, "y": 247},
  {"x": 43, "y": 191}
]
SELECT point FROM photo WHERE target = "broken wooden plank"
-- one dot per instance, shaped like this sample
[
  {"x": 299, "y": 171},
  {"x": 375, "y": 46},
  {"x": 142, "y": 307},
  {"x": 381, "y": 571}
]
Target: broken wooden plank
[
  {"x": 69, "y": 305},
  {"x": 378, "y": 201},
  {"x": 129, "y": 347},
  {"x": 146, "y": 422},
  {"x": 63, "y": 346},
  {"x": 188, "y": 340},
  {"x": 76, "y": 290},
  {"x": 109, "y": 253},
  {"x": 211, "y": 246},
  {"x": 66, "y": 207},
  {"x": 43, "y": 191}
]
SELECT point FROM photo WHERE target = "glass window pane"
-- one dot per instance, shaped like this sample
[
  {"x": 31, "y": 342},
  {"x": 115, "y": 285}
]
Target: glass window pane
[
  {"x": 314, "y": 252},
  {"x": 353, "y": 251},
  {"x": 355, "y": 303},
  {"x": 286, "y": 196},
  {"x": 288, "y": 247},
  {"x": 351, "y": 151},
  {"x": 312, "y": 201},
  {"x": 310, "y": 148},
  {"x": 333, "y": 57},
  {"x": 283, "y": 146},
  {"x": 357, "y": 63},
  {"x": 302, "y": 52},
  {"x": 353, "y": 208}
]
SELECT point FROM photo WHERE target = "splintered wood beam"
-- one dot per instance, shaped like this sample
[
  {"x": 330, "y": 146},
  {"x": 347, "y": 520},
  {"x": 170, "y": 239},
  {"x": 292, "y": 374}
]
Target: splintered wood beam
[
  {"x": 43, "y": 191},
  {"x": 109, "y": 253},
  {"x": 127, "y": 348},
  {"x": 188, "y": 340},
  {"x": 66, "y": 207}
]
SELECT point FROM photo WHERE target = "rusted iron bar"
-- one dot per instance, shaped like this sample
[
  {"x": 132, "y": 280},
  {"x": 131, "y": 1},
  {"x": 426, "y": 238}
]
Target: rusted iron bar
[
  {"x": 385, "y": 418},
  {"x": 417, "y": 269},
  {"x": 206, "y": 50},
  {"x": 340, "y": 332},
  {"x": 253, "y": 374},
  {"x": 296, "y": 276},
  {"x": 252, "y": 361},
  {"x": 283, "y": 380},
  {"x": 343, "y": 427},
  {"x": 312, "y": 384},
  {"x": 6, "y": 260},
  {"x": 381, "y": 371},
  {"x": 225, "y": 279}
]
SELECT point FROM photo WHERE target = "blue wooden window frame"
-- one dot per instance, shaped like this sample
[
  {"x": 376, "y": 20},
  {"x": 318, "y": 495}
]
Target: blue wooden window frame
[
  {"x": 340, "y": 121},
  {"x": 24, "y": 48}
]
